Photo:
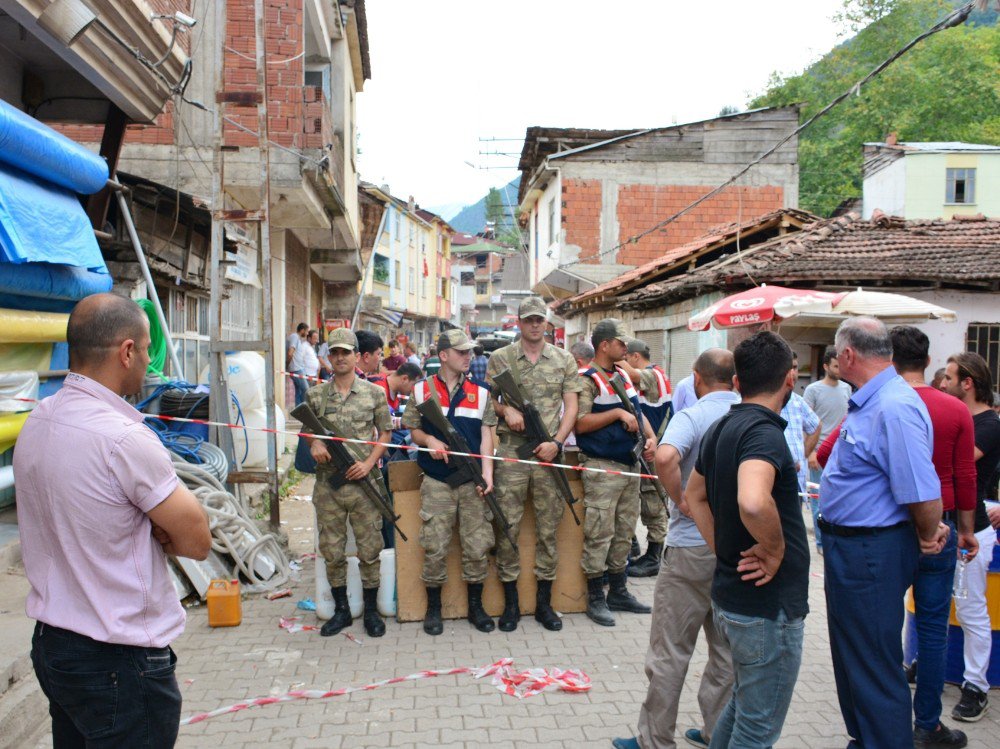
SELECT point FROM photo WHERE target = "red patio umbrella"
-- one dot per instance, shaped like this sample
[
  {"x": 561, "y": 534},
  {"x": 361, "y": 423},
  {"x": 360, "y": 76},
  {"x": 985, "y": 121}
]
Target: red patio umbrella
[{"x": 755, "y": 306}]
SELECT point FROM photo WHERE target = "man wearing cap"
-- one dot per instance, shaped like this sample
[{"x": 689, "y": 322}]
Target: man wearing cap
[
  {"x": 548, "y": 375},
  {"x": 605, "y": 434},
  {"x": 356, "y": 409},
  {"x": 469, "y": 408},
  {"x": 654, "y": 398}
]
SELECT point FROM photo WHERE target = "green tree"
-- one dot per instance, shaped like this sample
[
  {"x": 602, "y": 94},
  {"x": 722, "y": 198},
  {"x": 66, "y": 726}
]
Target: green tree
[{"x": 944, "y": 89}]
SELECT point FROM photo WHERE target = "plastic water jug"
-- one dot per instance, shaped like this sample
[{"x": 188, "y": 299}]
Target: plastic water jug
[{"x": 225, "y": 607}]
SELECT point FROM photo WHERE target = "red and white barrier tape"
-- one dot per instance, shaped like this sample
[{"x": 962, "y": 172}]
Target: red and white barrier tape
[
  {"x": 416, "y": 448},
  {"x": 519, "y": 684}
]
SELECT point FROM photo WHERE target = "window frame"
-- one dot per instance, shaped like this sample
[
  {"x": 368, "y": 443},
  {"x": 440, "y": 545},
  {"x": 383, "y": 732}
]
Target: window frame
[{"x": 966, "y": 176}]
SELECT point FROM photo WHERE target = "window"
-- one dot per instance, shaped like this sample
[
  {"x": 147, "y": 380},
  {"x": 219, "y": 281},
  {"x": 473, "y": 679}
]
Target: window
[
  {"x": 397, "y": 219},
  {"x": 423, "y": 286},
  {"x": 399, "y": 275},
  {"x": 480, "y": 287},
  {"x": 187, "y": 318},
  {"x": 443, "y": 288},
  {"x": 984, "y": 339},
  {"x": 552, "y": 221},
  {"x": 380, "y": 269},
  {"x": 411, "y": 286},
  {"x": 960, "y": 186}
]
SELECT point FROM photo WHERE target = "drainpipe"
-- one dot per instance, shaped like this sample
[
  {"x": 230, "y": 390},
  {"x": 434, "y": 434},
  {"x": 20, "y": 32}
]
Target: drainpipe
[{"x": 368, "y": 267}]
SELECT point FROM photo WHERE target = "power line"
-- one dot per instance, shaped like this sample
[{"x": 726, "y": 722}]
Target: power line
[{"x": 955, "y": 18}]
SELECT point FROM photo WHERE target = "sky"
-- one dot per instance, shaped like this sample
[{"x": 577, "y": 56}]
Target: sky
[{"x": 447, "y": 73}]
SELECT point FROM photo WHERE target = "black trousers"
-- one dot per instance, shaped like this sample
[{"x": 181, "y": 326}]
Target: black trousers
[{"x": 105, "y": 695}]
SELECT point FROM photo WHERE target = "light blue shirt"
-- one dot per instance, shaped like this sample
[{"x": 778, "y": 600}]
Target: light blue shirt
[
  {"x": 684, "y": 433},
  {"x": 684, "y": 395},
  {"x": 802, "y": 420},
  {"x": 882, "y": 460}
]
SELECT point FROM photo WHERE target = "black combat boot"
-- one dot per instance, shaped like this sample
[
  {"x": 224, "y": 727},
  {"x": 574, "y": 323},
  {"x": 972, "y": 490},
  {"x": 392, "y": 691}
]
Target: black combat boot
[
  {"x": 619, "y": 599},
  {"x": 648, "y": 565},
  {"x": 374, "y": 624},
  {"x": 597, "y": 607},
  {"x": 511, "y": 608},
  {"x": 341, "y": 614},
  {"x": 633, "y": 550},
  {"x": 432, "y": 619},
  {"x": 544, "y": 614},
  {"x": 478, "y": 617}
]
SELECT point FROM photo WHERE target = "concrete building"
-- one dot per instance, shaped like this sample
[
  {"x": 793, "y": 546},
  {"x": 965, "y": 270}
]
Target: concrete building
[
  {"x": 585, "y": 194},
  {"x": 407, "y": 287},
  {"x": 483, "y": 262},
  {"x": 931, "y": 180}
]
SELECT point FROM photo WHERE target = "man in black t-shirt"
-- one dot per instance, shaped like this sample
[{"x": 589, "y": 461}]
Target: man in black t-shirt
[
  {"x": 744, "y": 497},
  {"x": 968, "y": 378}
]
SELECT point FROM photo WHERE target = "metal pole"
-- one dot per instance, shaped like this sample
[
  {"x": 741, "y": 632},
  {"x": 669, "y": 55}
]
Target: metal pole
[
  {"x": 267, "y": 321},
  {"x": 150, "y": 289}
]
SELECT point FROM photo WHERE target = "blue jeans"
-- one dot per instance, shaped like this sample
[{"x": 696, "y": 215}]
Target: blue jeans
[
  {"x": 932, "y": 601},
  {"x": 766, "y": 658},
  {"x": 815, "y": 476},
  {"x": 301, "y": 385},
  {"x": 866, "y": 578},
  {"x": 104, "y": 695}
]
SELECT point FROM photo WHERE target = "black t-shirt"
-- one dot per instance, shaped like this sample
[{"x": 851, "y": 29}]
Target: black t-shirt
[
  {"x": 987, "y": 425},
  {"x": 752, "y": 432}
]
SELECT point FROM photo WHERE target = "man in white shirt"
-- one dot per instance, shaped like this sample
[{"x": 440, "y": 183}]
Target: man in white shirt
[{"x": 293, "y": 360}]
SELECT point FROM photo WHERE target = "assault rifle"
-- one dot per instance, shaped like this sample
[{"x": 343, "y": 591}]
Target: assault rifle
[
  {"x": 535, "y": 430},
  {"x": 343, "y": 458},
  {"x": 466, "y": 469},
  {"x": 618, "y": 386}
]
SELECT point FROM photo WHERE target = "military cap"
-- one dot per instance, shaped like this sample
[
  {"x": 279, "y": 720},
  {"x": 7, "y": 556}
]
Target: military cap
[
  {"x": 342, "y": 338},
  {"x": 455, "y": 339},
  {"x": 610, "y": 329},
  {"x": 532, "y": 306},
  {"x": 635, "y": 346}
]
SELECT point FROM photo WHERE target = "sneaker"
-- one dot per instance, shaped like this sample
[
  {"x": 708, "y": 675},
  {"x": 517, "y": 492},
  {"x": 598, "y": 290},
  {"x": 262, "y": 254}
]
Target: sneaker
[
  {"x": 632, "y": 743},
  {"x": 695, "y": 737},
  {"x": 942, "y": 737},
  {"x": 973, "y": 704}
]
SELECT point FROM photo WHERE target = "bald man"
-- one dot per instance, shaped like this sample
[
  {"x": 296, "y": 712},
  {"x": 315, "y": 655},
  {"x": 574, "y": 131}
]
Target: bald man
[{"x": 99, "y": 508}]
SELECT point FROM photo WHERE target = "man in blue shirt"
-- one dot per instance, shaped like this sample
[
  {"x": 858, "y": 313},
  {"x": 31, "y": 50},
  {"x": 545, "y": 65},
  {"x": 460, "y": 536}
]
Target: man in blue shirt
[{"x": 880, "y": 507}]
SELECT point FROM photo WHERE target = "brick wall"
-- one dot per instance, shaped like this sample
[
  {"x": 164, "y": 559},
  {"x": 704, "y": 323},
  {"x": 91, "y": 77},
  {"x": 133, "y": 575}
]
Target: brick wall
[
  {"x": 642, "y": 206},
  {"x": 581, "y": 214}
]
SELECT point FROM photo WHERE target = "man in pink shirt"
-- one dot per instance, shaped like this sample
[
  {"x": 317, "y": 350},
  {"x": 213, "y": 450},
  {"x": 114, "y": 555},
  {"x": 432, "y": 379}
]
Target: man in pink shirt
[{"x": 99, "y": 507}]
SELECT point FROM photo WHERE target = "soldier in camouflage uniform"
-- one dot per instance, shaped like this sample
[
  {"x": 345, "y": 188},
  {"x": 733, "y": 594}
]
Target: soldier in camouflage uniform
[
  {"x": 605, "y": 434},
  {"x": 655, "y": 399},
  {"x": 548, "y": 375},
  {"x": 357, "y": 410},
  {"x": 467, "y": 405}
]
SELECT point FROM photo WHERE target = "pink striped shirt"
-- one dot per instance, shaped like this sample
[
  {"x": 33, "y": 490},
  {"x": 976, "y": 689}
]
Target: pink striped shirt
[{"x": 87, "y": 471}]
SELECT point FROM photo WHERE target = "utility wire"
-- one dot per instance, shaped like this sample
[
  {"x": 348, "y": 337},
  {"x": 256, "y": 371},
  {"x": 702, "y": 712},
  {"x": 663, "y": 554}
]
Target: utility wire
[{"x": 955, "y": 18}]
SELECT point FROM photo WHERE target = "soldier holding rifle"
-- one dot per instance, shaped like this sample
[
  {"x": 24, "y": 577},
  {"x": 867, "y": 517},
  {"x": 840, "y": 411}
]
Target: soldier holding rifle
[
  {"x": 606, "y": 433},
  {"x": 546, "y": 377},
  {"x": 355, "y": 409},
  {"x": 468, "y": 408}
]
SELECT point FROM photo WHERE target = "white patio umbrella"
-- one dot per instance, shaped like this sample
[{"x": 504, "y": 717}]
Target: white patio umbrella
[{"x": 862, "y": 302}]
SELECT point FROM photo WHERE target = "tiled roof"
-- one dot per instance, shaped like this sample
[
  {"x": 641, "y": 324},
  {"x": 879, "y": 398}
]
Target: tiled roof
[
  {"x": 846, "y": 251},
  {"x": 749, "y": 232}
]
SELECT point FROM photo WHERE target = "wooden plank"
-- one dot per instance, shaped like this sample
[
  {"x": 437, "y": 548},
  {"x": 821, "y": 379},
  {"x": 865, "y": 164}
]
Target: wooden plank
[{"x": 249, "y": 477}]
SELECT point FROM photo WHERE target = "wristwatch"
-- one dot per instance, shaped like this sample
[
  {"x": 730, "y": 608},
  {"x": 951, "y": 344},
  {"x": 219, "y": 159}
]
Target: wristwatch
[{"x": 559, "y": 445}]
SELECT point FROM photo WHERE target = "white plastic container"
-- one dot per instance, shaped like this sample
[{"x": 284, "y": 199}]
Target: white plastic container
[
  {"x": 387, "y": 583},
  {"x": 246, "y": 378},
  {"x": 251, "y": 442},
  {"x": 323, "y": 598},
  {"x": 355, "y": 598}
]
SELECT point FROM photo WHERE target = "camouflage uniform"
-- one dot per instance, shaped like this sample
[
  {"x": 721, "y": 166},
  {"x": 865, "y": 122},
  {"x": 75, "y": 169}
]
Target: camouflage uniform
[
  {"x": 357, "y": 416},
  {"x": 652, "y": 512},
  {"x": 441, "y": 505},
  {"x": 545, "y": 382},
  {"x": 611, "y": 505}
]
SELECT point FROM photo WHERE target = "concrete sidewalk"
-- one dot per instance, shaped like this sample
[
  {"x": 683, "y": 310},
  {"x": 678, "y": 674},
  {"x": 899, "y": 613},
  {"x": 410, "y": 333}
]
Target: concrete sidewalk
[{"x": 223, "y": 666}]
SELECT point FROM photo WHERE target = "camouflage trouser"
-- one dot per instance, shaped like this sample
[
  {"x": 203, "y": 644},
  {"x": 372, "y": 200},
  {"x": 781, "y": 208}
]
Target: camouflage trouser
[
  {"x": 440, "y": 507},
  {"x": 333, "y": 509},
  {"x": 512, "y": 483},
  {"x": 611, "y": 505},
  {"x": 652, "y": 513}
]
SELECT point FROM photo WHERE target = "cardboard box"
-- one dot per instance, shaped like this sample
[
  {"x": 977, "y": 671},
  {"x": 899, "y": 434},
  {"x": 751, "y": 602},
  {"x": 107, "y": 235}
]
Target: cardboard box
[{"x": 569, "y": 591}]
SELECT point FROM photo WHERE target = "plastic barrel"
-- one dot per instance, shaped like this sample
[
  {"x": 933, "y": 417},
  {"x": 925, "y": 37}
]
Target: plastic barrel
[{"x": 954, "y": 667}]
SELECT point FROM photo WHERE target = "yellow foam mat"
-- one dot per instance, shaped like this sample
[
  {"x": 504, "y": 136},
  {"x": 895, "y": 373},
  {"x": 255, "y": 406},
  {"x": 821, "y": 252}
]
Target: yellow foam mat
[
  {"x": 10, "y": 426},
  {"x": 26, "y": 326}
]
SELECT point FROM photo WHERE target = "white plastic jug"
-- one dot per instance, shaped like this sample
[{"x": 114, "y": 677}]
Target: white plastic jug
[
  {"x": 246, "y": 378},
  {"x": 387, "y": 583},
  {"x": 355, "y": 598},
  {"x": 252, "y": 442},
  {"x": 324, "y": 598}
]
